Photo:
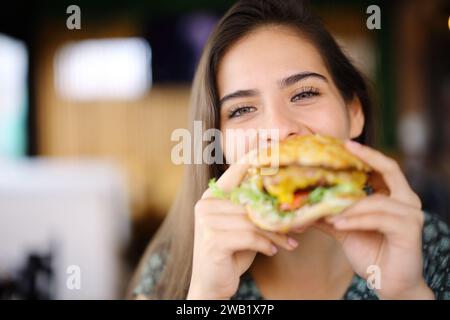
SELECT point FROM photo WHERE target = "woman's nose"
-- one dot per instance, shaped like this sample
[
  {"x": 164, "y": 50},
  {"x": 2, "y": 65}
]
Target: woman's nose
[{"x": 281, "y": 125}]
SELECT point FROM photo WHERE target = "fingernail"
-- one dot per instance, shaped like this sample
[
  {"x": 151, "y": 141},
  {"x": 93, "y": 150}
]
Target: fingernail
[
  {"x": 292, "y": 242},
  {"x": 274, "y": 249}
]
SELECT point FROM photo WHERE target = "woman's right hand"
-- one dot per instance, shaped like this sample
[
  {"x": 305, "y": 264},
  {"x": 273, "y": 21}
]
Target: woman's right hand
[{"x": 226, "y": 241}]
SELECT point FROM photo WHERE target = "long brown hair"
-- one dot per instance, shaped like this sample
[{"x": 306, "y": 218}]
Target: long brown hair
[{"x": 176, "y": 234}]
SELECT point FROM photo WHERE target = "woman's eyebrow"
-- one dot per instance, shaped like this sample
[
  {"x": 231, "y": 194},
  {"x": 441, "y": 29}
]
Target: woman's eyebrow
[
  {"x": 238, "y": 94},
  {"x": 286, "y": 82}
]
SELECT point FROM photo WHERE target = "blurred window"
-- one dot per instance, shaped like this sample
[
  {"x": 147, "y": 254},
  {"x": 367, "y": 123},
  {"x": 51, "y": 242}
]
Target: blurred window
[{"x": 103, "y": 69}]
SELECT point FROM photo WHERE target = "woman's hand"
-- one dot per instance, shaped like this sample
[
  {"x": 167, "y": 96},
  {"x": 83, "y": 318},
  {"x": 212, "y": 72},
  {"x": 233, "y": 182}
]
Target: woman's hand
[
  {"x": 384, "y": 229},
  {"x": 226, "y": 242}
]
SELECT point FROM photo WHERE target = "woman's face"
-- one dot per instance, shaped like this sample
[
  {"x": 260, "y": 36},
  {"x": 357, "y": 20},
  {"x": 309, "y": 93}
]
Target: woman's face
[{"x": 275, "y": 79}]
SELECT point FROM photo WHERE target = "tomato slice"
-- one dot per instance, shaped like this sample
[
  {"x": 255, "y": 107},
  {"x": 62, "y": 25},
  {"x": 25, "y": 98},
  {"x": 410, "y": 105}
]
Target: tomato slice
[{"x": 300, "y": 198}]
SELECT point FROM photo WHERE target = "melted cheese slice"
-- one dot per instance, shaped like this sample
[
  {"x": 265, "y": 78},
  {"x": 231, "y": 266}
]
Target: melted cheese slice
[{"x": 289, "y": 179}]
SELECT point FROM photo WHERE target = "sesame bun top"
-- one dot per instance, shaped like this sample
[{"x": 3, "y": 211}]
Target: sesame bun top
[{"x": 312, "y": 151}]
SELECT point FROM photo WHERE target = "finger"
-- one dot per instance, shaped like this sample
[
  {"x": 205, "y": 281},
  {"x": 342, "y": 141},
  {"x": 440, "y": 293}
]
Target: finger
[
  {"x": 389, "y": 170},
  {"x": 225, "y": 222},
  {"x": 303, "y": 227},
  {"x": 219, "y": 206},
  {"x": 387, "y": 224},
  {"x": 234, "y": 241},
  {"x": 230, "y": 179},
  {"x": 281, "y": 240},
  {"x": 377, "y": 203}
]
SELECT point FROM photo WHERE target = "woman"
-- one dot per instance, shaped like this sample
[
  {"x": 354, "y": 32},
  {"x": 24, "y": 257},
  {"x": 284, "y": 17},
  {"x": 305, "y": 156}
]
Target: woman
[{"x": 272, "y": 65}]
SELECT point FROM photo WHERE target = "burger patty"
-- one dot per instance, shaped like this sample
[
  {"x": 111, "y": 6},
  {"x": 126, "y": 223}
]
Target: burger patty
[{"x": 291, "y": 179}]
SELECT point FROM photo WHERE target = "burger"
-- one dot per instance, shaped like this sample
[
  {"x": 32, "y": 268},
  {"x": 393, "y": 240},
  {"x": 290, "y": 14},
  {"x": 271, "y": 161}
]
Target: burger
[{"x": 315, "y": 177}]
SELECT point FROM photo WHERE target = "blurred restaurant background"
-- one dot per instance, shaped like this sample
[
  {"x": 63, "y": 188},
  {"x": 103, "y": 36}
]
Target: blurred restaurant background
[{"x": 86, "y": 117}]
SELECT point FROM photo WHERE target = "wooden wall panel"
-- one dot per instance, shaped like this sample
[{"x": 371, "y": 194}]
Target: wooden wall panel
[{"x": 134, "y": 134}]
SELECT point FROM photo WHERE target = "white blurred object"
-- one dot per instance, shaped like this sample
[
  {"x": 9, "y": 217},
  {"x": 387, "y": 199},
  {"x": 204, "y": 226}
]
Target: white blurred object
[
  {"x": 413, "y": 133},
  {"x": 82, "y": 207},
  {"x": 104, "y": 69},
  {"x": 13, "y": 96}
]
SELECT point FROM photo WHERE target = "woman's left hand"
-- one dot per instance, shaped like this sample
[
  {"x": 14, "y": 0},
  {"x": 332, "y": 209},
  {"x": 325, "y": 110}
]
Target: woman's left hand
[{"x": 384, "y": 230}]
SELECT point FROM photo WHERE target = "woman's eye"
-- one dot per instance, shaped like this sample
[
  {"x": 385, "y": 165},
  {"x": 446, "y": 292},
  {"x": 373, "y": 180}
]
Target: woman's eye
[
  {"x": 305, "y": 95},
  {"x": 240, "y": 111}
]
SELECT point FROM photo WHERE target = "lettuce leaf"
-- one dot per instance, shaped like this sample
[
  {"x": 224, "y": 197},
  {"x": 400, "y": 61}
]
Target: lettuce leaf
[
  {"x": 216, "y": 191},
  {"x": 319, "y": 193},
  {"x": 248, "y": 193},
  {"x": 316, "y": 195}
]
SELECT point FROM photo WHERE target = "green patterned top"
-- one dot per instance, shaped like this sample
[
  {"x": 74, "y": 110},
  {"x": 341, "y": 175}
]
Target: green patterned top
[{"x": 436, "y": 269}]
